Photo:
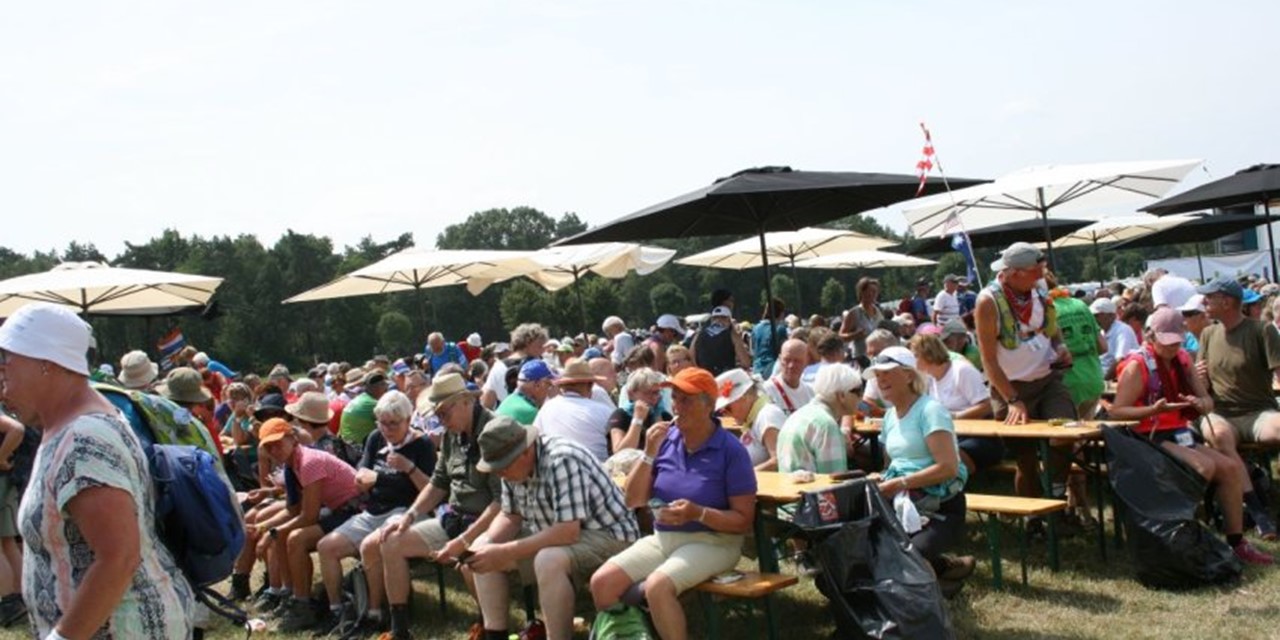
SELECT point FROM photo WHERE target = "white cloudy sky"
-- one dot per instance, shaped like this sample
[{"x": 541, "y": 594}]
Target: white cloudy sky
[{"x": 343, "y": 118}]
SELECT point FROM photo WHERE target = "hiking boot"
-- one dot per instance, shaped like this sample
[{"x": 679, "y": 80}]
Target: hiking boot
[
  {"x": 1250, "y": 554},
  {"x": 956, "y": 567},
  {"x": 365, "y": 627},
  {"x": 950, "y": 588},
  {"x": 333, "y": 625},
  {"x": 239, "y": 587},
  {"x": 298, "y": 615},
  {"x": 267, "y": 601},
  {"x": 1264, "y": 524},
  {"x": 12, "y": 609}
]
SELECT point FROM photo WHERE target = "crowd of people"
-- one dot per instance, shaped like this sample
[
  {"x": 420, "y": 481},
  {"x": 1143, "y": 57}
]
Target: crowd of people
[{"x": 621, "y": 463}]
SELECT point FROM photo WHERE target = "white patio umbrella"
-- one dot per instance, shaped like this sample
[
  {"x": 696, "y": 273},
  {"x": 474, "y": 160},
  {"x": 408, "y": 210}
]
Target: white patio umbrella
[
  {"x": 564, "y": 265},
  {"x": 864, "y": 260},
  {"x": 98, "y": 288},
  {"x": 1043, "y": 191},
  {"x": 417, "y": 268},
  {"x": 785, "y": 246},
  {"x": 1118, "y": 229}
]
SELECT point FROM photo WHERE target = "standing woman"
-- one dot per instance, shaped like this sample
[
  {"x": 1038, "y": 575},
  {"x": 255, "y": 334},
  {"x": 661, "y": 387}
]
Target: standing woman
[
  {"x": 861, "y": 320},
  {"x": 92, "y": 563}
]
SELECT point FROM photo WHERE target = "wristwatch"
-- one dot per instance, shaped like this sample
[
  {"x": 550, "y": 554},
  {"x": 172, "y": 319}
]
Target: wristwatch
[
  {"x": 273, "y": 532},
  {"x": 1014, "y": 399}
]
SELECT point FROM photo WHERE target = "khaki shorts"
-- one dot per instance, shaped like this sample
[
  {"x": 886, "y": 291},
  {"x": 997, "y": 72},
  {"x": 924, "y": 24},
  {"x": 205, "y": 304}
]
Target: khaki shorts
[
  {"x": 586, "y": 555},
  {"x": 432, "y": 533},
  {"x": 687, "y": 558},
  {"x": 1248, "y": 426},
  {"x": 361, "y": 525}
]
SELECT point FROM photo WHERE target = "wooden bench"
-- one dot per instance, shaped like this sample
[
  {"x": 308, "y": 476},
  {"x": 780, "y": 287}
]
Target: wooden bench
[
  {"x": 752, "y": 587},
  {"x": 1021, "y": 508}
]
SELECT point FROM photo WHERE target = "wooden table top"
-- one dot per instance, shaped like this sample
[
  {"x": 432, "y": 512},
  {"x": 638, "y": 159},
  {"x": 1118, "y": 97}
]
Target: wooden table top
[
  {"x": 778, "y": 488},
  {"x": 1031, "y": 430}
]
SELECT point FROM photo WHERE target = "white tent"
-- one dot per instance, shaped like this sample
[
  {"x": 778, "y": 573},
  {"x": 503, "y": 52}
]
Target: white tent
[
  {"x": 98, "y": 288},
  {"x": 864, "y": 260},
  {"x": 563, "y": 265},
  {"x": 785, "y": 246},
  {"x": 1119, "y": 229},
  {"x": 418, "y": 268}
]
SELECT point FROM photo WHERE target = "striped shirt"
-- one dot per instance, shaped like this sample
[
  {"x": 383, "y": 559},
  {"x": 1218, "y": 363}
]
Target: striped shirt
[{"x": 568, "y": 484}]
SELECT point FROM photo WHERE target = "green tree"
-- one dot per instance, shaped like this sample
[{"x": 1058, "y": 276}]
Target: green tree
[
  {"x": 395, "y": 332},
  {"x": 524, "y": 301},
  {"x": 569, "y": 225},
  {"x": 834, "y": 297},
  {"x": 667, "y": 298},
  {"x": 521, "y": 228}
]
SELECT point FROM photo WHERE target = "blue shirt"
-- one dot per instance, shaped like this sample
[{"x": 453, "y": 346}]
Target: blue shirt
[
  {"x": 903, "y": 438},
  {"x": 1191, "y": 344},
  {"x": 762, "y": 351},
  {"x": 718, "y": 470},
  {"x": 450, "y": 353}
]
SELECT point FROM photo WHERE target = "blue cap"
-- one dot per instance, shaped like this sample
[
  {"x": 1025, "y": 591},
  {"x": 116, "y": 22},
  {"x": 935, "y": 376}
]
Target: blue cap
[
  {"x": 1226, "y": 286},
  {"x": 535, "y": 370},
  {"x": 1250, "y": 296},
  {"x": 593, "y": 352},
  {"x": 399, "y": 367}
]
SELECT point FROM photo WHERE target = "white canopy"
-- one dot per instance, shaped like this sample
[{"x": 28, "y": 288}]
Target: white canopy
[
  {"x": 98, "y": 288},
  {"x": 560, "y": 266},
  {"x": 785, "y": 246},
  {"x": 1119, "y": 228},
  {"x": 420, "y": 268},
  {"x": 1044, "y": 191},
  {"x": 864, "y": 260}
]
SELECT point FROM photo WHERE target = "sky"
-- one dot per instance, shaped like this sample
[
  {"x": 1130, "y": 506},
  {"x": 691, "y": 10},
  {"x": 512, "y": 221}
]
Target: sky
[{"x": 345, "y": 119}]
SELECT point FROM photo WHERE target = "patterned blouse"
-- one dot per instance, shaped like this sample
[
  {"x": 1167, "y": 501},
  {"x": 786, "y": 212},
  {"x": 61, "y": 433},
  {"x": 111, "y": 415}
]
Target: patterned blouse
[{"x": 96, "y": 450}]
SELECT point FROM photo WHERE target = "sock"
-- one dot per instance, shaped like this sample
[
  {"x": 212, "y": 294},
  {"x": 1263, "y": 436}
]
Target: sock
[
  {"x": 280, "y": 591},
  {"x": 335, "y": 609},
  {"x": 400, "y": 618},
  {"x": 1234, "y": 539},
  {"x": 489, "y": 634},
  {"x": 374, "y": 615}
]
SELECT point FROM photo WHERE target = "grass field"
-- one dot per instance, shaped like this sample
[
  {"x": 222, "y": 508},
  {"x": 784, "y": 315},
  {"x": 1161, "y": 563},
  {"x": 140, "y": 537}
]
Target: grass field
[{"x": 1087, "y": 598}]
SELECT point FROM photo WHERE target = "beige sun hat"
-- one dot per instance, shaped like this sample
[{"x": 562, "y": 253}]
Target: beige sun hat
[{"x": 312, "y": 407}]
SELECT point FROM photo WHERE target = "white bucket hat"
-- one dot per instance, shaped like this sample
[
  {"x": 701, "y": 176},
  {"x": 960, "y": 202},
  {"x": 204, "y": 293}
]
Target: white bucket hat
[
  {"x": 44, "y": 331},
  {"x": 137, "y": 370}
]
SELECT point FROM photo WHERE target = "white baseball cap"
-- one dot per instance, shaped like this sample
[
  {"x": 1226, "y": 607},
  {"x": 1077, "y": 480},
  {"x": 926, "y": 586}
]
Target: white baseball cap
[
  {"x": 1102, "y": 305},
  {"x": 44, "y": 331},
  {"x": 1194, "y": 304},
  {"x": 669, "y": 321},
  {"x": 722, "y": 311},
  {"x": 892, "y": 358},
  {"x": 1172, "y": 291},
  {"x": 474, "y": 340}
]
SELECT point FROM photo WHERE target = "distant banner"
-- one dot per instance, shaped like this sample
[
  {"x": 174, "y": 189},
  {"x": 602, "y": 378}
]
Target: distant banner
[
  {"x": 169, "y": 346},
  {"x": 1230, "y": 264}
]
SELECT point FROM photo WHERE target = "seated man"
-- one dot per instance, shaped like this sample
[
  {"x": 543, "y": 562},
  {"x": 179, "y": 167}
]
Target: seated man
[
  {"x": 786, "y": 389},
  {"x": 471, "y": 495},
  {"x": 394, "y": 468},
  {"x": 562, "y": 517},
  {"x": 573, "y": 415},
  {"x": 533, "y": 386}
]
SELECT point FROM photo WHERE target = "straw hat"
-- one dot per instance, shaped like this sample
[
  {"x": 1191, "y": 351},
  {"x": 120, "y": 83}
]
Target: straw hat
[
  {"x": 442, "y": 389},
  {"x": 575, "y": 372},
  {"x": 137, "y": 370},
  {"x": 312, "y": 407}
]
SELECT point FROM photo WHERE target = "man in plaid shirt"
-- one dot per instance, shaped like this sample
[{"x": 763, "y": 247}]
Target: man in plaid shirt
[{"x": 562, "y": 517}]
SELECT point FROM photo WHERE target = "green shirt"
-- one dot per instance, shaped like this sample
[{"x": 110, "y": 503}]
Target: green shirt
[
  {"x": 811, "y": 439},
  {"x": 357, "y": 419},
  {"x": 519, "y": 407},
  {"x": 1240, "y": 364},
  {"x": 1080, "y": 333},
  {"x": 470, "y": 490}
]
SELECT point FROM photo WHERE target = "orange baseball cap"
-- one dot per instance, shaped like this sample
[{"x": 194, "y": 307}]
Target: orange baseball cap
[
  {"x": 694, "y": 380},
  {"x": 274, "y": 429}
]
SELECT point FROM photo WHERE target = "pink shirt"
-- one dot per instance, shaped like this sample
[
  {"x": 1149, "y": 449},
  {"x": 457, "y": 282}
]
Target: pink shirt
[{"x": 337, "y": 479}]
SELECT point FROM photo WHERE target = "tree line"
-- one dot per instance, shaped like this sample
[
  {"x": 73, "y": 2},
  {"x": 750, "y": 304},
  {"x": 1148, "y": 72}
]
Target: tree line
[{"x": 247, "y": 326}]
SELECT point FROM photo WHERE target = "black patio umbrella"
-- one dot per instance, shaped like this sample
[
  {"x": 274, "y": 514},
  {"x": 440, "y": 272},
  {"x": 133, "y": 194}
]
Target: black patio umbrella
[
  {"x": 1203, "y": 229},
  {"x": 1256, "y": 185},
  {"x": 998, "y": 236},
  {"x": 761, "y": 200}
]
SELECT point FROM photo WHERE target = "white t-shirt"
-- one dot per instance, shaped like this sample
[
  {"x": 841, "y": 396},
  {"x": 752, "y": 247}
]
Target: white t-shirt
[
  {"x": 622, "y": 343},
  {"x": 960, "y": 387},
  {"x": 600, "y": 395},
  {"x": 947, "y": 305},
  {"x": 1034, "y": 355},
  {"x": 1121, "y": 341},
  {"x": 768, "y": 418},
  {"x": 497, "y": 380},
  {"x": 582, "y": 420},
  {"x": 786, "y": 397}
]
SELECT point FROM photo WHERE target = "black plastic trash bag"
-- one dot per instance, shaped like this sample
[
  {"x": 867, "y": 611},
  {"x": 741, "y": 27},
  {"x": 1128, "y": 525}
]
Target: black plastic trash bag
[
  {"x": 1171, "y": 548},
  {"x": 878, "y": 585}
]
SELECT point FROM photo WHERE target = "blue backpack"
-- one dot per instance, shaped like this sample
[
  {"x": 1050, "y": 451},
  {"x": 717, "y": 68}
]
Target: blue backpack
[{"x": 197, "y": 515}]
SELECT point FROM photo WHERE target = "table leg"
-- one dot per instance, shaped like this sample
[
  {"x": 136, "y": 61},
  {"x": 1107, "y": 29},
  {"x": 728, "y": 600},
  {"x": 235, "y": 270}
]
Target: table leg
[
  {"x": 1099, "y": 486},
  {"x": 993, "y": 541},
  {"x": 1046, "y": 483},
  {"x": 768, "y": 560}
]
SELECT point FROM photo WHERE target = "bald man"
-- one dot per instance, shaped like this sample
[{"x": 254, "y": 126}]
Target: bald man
[{"x": 785, "y": 389}]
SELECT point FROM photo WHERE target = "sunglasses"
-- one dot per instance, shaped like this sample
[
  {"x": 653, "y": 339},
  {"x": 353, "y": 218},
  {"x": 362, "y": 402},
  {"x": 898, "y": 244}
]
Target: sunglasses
[{"x": 883, "y": 359}]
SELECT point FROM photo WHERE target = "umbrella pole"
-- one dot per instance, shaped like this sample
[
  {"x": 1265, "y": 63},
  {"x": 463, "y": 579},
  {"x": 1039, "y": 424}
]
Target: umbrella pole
[
  {"x": 1199, "y": 262},
  {"x": 795, "y": 277},
  {"x": 1271, "y": 241},
  {"x": 768, "y": 297},
  {"x": 1048, "y": 237},
  {"x": 1097, "y": 255},
  {"x": 582, "y": 307}
]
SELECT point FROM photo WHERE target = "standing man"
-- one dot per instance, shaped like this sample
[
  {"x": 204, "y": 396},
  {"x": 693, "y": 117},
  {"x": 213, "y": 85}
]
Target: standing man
[
  {"x": 439, "y": 353},
  {"x": 920, "y": 311},
  {"x": 1020, "y": 345},
  {"x": 561, "y": 517},
  {"x": 667, "y": 332},
  {"x": 620, "y": 340},
  {"x": 1121, "y": 340},
  {"x": 946, "y": 306},
  {"x": 717, "y": 347},
  {"x": 1241, "y": 357}
]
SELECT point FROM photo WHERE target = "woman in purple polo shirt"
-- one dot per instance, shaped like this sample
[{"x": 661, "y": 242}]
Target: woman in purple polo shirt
[{"x": 703, "y": 476}]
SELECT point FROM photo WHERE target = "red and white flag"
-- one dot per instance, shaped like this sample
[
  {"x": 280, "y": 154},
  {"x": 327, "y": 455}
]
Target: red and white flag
[{"x": 926, "y": 162}]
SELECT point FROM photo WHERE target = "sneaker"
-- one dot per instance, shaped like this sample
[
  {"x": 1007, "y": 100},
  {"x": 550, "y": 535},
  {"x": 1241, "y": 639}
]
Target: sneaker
[
  {"x": 957, "y": 567},
  {"x": 239, "y": 588},
  {"x": 1265, "y": 525},
  {"x": 367, "y": 627},
  {"x": 267, "y": 601},
  {"x": 12, "y": 609},
  {"x": 298, "y": 615},
  {"x": 1250, "y": 554},
  {"x": 332, "y": 625}
]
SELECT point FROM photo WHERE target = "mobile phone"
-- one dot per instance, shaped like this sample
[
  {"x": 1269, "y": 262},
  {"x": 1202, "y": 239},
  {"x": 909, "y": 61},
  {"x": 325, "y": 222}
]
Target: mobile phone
[
  {"x": 465, "y": 556},
  {"x": 657, "y": 503}
]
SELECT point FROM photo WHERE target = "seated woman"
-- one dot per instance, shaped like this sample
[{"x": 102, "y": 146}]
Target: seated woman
[
  {"x": 811, "y": 438},
  {"x": 678, "y": 359},
  {"x": 1157, "y": 385},
  {"x": 702, "y": 476},
  {"x": 761, "y": 420},
  {"x": 958, "y": 385},
  {"x": 629, "y": 422},
  {"x": 321, "y": 495},
  {"x": 924, "y": 460},
  {"x": 397, "y": 464}
]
